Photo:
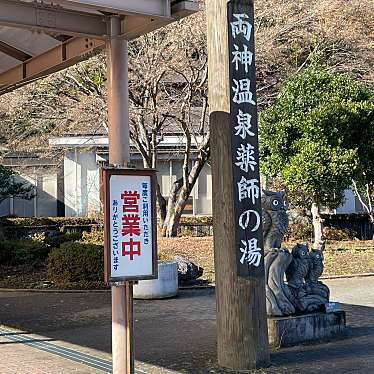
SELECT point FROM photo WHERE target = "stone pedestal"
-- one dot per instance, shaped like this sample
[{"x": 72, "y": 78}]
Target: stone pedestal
[{"x": 293, "y": 330}]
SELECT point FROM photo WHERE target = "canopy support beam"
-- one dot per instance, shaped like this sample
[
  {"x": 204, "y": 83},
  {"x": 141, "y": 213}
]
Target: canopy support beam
[
  {"x": 60, "y": 57},
  {"x": 13, "y": 52},
  {"x": 74, "y": 49},
  {"x": 35, "y": 16}
]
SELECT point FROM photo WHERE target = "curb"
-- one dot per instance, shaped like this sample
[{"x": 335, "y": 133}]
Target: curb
[
  {"x": 198, "y": 287},
  {"x": 362, "y": 275}
]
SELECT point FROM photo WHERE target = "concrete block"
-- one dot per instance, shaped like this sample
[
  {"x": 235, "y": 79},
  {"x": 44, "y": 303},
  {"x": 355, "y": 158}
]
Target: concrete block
[
  {"x": 166, "y": 285},
  {"x": 294, "y": 330}
]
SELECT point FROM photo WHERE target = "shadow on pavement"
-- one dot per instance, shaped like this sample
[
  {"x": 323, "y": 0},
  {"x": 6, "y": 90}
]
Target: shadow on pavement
[{"x": 179, "y": 333}]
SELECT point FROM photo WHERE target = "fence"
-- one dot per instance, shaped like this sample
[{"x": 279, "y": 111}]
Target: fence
[
  {"x": 195, "y": 229},
  {"x": 20, "y": 232},
  {"x": 360, "y": 223}
]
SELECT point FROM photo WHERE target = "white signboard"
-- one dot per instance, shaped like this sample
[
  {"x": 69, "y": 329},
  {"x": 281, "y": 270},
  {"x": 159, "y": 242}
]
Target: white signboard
[{"x": 131, "y": 239}]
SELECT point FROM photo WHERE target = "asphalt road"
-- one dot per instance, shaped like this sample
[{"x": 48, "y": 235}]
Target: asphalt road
[{"x": 179, "y": 334}]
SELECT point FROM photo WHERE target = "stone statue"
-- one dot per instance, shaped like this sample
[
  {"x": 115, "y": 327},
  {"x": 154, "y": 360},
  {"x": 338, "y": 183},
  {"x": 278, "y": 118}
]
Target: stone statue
[
  {"x": 302, "y": 292},
  {"x": 274, "y": 218},
  {"x": 299, "y": 266}
]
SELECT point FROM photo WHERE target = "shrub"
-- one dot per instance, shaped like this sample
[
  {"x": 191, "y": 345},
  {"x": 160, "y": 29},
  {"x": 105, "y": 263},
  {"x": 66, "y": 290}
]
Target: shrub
[
  {"x": 93, "y": 237},
  {"x": 299, "y": 231},
  {"x": 56, "y": 241},
  {"x": 48, "y": 221},
  {"x": 335, "y": 233},
  {"x": 197, "y": 219},
  {"x": 20, "y": 252},
  {"x": 76, "y": 262}
]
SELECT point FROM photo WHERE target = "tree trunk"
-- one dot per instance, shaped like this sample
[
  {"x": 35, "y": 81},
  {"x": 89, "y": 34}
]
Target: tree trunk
[
  {"x": 171, "y": 229},
  {"x": 317, "y": 225},
  {"x": 161, "y": 206},
  {"x": 175, "y": 215},
  {"x": 371, "y": 217},
  {"x": 181, "y": 190},
  {"x": 369, "y": 195}
]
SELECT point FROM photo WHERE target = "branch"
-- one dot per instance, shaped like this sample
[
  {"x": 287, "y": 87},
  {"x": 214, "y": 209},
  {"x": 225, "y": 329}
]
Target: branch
[
  {"x": 139, "y": 146},
  {"x": 360, "y": 197},
  {"x": 79, "y": 85},
  {"x": 368, "y": 197},
  {"x": 203, "y": 116}
]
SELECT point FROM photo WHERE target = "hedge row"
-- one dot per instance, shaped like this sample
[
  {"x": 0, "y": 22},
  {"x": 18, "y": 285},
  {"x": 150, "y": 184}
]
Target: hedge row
[{"x": 47, "y": 221}]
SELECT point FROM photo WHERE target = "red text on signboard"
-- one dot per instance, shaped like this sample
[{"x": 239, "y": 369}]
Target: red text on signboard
[{"x": 131, "y": 246}]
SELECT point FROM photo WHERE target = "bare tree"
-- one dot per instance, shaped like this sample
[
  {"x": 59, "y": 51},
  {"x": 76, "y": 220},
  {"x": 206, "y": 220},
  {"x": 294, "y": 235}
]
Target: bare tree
[
  {"x": 288, "y": 35},
  {"x": 167, "y": 79},
  {"x": 168, "y": 83},
  {"x": 168, "y": 75}
]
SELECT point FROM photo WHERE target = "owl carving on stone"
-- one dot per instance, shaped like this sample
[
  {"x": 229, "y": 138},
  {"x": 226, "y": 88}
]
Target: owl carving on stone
[
  {"x": 274, "y": 218},
  {"x": 299, "y": 267},
  {"x": 316, "y": 266}
]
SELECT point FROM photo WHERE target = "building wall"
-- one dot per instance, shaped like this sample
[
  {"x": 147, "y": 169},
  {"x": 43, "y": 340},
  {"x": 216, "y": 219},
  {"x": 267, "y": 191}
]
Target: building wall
[
  {"x": 349, "y": 204},
  {"x": 81, "y": 184},
  {"x": 82, "y": 196},
  {"x": 44, "y": 203},
  {"x": 82, "y": 190},
  {"x": 5, "y": 208},
  {"x": 203, "y": 193}
]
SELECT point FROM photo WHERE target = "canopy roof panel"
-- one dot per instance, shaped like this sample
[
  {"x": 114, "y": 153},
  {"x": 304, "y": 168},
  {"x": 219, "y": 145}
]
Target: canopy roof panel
[
  {"x": 37, "y": 39},
  {"x": 155, "y": 8}
]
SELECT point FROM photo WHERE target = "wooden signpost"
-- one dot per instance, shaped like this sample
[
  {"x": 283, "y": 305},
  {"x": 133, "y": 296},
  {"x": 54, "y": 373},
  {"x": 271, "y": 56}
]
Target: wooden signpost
[
  {"x": 244, "y": 140},
  {"x": 242, "y": 339}
]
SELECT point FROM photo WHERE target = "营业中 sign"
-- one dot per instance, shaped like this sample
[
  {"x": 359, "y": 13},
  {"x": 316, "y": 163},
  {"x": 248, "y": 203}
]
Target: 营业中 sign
[{"x": 130, "y": 231}]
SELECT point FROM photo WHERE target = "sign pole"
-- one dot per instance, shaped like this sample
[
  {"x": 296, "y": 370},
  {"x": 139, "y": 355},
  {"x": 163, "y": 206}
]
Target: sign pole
[
  {"x": 119, "y": 155},
  {"x": 242, "y": 338}
]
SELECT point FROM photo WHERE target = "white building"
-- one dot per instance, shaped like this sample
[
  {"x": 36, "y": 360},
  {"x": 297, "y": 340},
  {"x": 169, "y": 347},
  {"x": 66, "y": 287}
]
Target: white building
[
  {"x": 73, "y": 188},
  {"x": 47, "y": 181},
  {"x": 85, "y": 154}
]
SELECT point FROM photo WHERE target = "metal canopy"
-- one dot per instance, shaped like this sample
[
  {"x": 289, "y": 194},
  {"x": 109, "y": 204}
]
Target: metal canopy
[{"x": 37, "y": 39}]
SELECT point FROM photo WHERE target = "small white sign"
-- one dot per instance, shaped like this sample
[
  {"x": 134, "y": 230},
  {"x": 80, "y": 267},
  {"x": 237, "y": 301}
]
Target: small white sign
[{"x": 131, "y": 241}]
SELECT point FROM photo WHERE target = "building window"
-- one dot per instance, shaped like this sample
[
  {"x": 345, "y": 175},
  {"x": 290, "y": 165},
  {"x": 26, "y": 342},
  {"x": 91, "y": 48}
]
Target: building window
[{"x": 188, "y": 209}]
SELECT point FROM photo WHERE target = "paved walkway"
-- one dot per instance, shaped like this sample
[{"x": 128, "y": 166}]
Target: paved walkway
[
  {"x": 19, "y": 358},
  {"x": 40, "y": 356},
  {"x": 172, "y": 336}
]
